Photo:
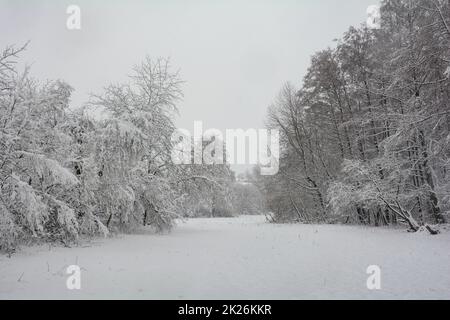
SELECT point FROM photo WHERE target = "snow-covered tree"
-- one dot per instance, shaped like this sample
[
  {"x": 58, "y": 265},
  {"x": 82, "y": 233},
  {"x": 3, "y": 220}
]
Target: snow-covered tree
[
  {"x": 36, "y": 184},
  {"x": 377, "y": 102}
]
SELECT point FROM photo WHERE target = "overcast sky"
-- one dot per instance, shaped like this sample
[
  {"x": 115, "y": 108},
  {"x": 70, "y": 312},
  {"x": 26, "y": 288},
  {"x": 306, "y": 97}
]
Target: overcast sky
[{"x": 233, "y": 54}]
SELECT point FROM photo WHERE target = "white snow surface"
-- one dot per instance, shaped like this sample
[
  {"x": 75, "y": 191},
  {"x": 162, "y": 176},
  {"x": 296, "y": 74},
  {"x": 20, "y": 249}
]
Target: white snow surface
[{"x": 240, "y": 258}]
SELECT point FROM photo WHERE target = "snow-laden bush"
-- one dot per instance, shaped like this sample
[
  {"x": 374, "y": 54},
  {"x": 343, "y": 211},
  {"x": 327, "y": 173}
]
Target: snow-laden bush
[
  {"x": 362, "y": 188},
  {"x": 38, "y": 184},
  {"x": 29, "y": 208},
  {"x": 8, "y": 230}
]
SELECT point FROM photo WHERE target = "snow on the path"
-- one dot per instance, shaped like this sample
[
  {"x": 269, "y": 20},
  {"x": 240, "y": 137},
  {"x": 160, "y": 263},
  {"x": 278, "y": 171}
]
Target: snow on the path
[{"x": 243, "y": 258}]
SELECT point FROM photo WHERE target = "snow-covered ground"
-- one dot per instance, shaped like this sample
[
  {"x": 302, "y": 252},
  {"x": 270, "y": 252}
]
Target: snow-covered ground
[{"x": 242, "y": 258}]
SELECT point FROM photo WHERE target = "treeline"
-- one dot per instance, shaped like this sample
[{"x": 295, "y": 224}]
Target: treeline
[
  {"x": 65, "y": 174},
  {"x": 366, "y": 139}
]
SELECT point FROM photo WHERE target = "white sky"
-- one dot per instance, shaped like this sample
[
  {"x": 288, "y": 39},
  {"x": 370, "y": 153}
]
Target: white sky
[{"x": 233, "y": 54}]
